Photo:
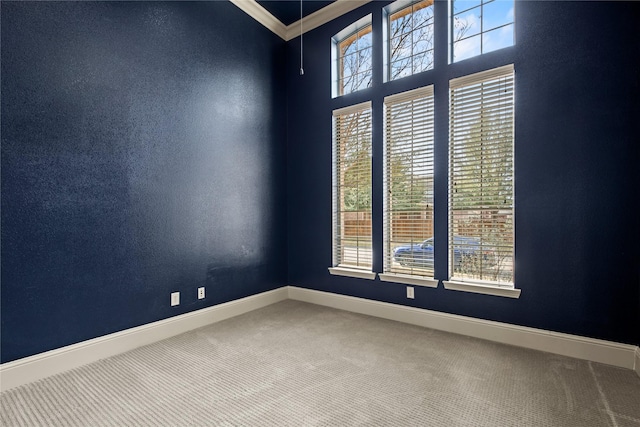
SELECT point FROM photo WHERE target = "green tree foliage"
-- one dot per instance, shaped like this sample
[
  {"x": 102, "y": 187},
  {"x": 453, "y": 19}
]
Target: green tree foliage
[{"x": 483, "y": 170}]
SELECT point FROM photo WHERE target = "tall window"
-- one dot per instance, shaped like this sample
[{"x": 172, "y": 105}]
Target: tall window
[
  {"x": 408, "y": 214},
  {"x": 481, "y": 187},
  {"x": 352, "y": 58},
  {"x": 480, "y": 26},
  {"x": 409, "y": 38},
  {"x": 352, "y": 245}
]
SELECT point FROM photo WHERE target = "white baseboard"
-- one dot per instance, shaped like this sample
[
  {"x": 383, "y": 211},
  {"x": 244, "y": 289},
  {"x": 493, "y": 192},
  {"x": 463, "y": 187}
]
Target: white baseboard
[
  {"x": 28, "y": 369},
  {"x": 33, "y": 368},
  {"x": 610, "y": 353}
]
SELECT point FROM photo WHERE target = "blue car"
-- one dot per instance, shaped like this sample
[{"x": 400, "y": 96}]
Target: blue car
[{"x": 421, "y": 255}]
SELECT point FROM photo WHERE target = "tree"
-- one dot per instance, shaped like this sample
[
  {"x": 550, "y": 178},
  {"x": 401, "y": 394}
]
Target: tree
[
  {"x": 482, "y": 195},
  {"x": 355, "y": 161},
  {"x": 411, "y": 37}
]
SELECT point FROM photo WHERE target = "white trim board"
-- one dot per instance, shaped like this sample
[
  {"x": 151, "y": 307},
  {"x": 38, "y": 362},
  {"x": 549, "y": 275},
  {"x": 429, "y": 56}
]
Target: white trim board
[
  {"x": 33, "y": 368},
  {"x": 322, "y": 16},
  {"x": 309, "y": 22},
  {"x": 608, "y": 352}
]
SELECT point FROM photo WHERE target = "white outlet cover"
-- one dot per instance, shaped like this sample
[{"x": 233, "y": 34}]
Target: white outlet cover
[
  {"x": 410, "y": 293},
  {"x": 201, "y": 293},
  {"x": 175, "y": 298}
]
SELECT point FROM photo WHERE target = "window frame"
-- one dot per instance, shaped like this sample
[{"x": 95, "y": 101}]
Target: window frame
[
  {"x": 337, "y": 70},
  {"x": 481, "y": 33},
  {"x": 480, "y": 86},
  {"x": 387, "y": 13},
  {"x": 419, "y": 109},
  {"x": 338, "y": 227}
]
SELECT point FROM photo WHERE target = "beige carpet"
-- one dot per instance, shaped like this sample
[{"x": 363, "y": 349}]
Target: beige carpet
[{"x": 296, "y": 364}]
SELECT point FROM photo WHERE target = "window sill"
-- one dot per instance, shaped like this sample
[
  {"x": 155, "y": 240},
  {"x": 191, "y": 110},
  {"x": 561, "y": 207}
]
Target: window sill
[
  {"x": 352, "y": 272},
  {"x": 482, "y": 289},
  {"x": 409, "y": 279}
]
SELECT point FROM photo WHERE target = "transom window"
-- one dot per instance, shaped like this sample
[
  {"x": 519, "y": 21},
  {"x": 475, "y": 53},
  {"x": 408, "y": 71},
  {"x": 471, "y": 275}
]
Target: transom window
[
  {"x": 480, "y": 26},
  {"x": 410, "y": 28},
  {"x": 352, "y": 53}
]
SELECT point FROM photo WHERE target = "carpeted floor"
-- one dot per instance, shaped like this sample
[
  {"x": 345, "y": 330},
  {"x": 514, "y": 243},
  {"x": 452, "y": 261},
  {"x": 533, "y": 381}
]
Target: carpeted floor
[{"x": 296, "y": 364}]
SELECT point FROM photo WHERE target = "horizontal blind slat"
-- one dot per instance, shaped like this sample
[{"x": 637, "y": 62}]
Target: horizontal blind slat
[
  {"x": 481, "y": 176},
  {"x": 408, "y": 204}
]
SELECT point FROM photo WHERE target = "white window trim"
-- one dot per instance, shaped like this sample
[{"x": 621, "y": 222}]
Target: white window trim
[
  {"x": 338, "y": 270},
  {"x": 352, "y": 272},
  {"x": 477, "y": 288},
  {"x": 388, "y": 276},
  {"x": 409, "y": 279}
]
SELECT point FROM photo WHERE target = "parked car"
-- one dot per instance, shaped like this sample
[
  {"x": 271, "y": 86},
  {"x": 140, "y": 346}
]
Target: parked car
[{"x": 464, "y": 249}]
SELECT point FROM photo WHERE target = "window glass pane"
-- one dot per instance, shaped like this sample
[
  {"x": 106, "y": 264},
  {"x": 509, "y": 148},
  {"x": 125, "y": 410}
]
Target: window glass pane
[
  {"x": 347, "y": 84},
  {"x": 422, "y": 14},
  {"x": 411, "y": 32},
  {"x": 484, "y": 18},
  {"x": 364, "y": 38},
  {"x": 462, "y": 5},
  {"x": 400, "y": 48},
  {"x": 498, "y": 38},
  {"x": 423, "y": 46},
  {"x": 364, "y": 80},
  {"x": 466, "y": 48},
  {"x": 348, "y": 46},
  {"x": 496, "y": 14},
  {"x": 466, "y": 24},
  {"x": 354, "y": 58},
  {"x": 350, "y": 65},
  {"x": 401, "y": 68},
  {"x": 364, "y": 63},
  {"x": 422, "y": 62},
  {"x": 400, "y": 22}
]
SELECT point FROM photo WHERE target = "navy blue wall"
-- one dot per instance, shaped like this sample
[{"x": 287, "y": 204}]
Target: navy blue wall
[
  {"x": 577, "y": 168},
  {"x": 143, "y": 152}
]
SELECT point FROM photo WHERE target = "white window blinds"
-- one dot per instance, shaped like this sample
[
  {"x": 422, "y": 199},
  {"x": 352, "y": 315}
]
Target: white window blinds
[
  {"x": 408, "y": 204},
  {"x": 481, "y": 181},
  {"x": 352, "y": 187}
]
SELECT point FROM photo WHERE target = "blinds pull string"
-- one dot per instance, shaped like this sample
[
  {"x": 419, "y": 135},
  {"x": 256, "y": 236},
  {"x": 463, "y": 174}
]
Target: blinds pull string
[{"x": 301, "y": 47}]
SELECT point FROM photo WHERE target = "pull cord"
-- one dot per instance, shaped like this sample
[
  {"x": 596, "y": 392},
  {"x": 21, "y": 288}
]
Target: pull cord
[{"x": 301, "y": 43}]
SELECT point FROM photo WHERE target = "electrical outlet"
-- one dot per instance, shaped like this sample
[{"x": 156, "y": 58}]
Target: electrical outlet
[
  {"x": 410, "y": 294},
  {"x": 175, "y": 298},
  {"x": 201, "y": 293}
]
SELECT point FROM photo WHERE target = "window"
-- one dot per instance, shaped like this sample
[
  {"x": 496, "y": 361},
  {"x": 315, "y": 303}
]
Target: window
[
  {"x": 352, "y": 58},
  {"x": 408, "y": 212},
  {"x": 480, "y": 26},
  {"x": 352, "y": 242},
  {"x": 410, "y": 38},
  {"x": 481, "y": 184}
]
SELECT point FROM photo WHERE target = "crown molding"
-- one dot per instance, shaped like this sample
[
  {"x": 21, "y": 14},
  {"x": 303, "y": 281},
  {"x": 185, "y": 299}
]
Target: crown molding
[
  {"x": 260, "y": 14},
  {"x": 322, "y": 16},
  {"x": 309, "y": 22}
]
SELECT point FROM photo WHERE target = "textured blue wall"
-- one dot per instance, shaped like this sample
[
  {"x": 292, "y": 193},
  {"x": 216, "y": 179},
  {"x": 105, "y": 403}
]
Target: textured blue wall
[
  {"x": 143, "y": 152},
  {"x": 577, "y": 168}
]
